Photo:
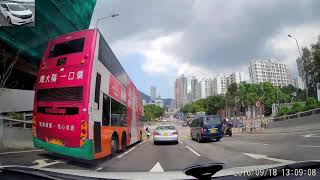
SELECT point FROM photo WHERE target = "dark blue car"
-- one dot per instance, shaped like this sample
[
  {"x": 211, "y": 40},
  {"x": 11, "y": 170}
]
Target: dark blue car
[{"x": 206, "y": 128}]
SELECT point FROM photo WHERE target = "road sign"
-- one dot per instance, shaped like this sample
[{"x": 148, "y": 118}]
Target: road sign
[{"x": 258, "y": 104}]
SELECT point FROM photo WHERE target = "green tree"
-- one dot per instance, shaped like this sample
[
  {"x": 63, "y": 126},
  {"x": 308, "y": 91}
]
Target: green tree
[
  {"x": 152, "y": 111},
  {"x": 311, "y": 103},
  {"x": 315, "y": 64},
  {"x": 214, "y": 103}
]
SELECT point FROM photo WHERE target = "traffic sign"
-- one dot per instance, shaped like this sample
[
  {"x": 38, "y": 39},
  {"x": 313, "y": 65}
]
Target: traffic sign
[{"x": 258, "y": 104}]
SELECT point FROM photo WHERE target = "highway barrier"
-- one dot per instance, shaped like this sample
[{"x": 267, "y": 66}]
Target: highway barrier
[{"x": 297, "y": 115}]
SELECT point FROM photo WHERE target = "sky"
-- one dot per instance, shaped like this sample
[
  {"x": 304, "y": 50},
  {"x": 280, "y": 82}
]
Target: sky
[{"x": 158, "y": 40}]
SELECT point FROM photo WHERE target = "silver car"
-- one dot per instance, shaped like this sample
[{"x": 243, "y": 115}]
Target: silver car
[{"x": 165, "y": 134}]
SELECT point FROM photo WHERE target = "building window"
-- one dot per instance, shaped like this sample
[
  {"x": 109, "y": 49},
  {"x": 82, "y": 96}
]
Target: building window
[{"x": 97, "y": 89}]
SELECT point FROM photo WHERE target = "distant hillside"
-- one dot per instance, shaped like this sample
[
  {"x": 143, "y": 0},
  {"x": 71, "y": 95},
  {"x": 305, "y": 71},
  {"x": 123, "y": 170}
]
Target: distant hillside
[
  {"x": 145, "y": 97},
  {"x": 167, "y": 101}
]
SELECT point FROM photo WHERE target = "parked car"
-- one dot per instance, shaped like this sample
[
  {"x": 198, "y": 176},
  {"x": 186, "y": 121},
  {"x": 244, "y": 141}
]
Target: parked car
[
  {"x": 16, "y": 13},
  {"x": 206, "y": 128},
  {"x": 165, "y": 134}
]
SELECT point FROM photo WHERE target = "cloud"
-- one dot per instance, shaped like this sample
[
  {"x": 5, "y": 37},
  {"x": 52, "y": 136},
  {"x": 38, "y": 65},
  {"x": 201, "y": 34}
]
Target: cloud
[{"x": 203, "y": 38}]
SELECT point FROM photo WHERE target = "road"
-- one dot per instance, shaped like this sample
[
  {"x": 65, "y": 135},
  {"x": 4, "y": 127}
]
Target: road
[
  {"x": 4, "y": 22},
  {"x": 239, "y": 150}
]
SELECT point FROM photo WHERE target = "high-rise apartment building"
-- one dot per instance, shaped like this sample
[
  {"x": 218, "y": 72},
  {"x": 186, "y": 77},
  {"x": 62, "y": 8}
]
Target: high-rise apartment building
[
  {"x": 269, "y": 71},
  {"x": 298, "y": 82},
  {"x": 194, "y": 83},
  {"x": 180, "y": 91},
  {"x": 206, "y": 88},
  {"x": 153, "y": 93},
  {"x": 198, "y": 91},
  {"x": 235, "y": 77},
  {"x": 219, "y": 84}
]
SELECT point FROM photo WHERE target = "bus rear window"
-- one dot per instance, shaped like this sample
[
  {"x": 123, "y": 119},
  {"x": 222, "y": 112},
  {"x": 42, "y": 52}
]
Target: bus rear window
[
  {"x": 60, "y": 94},
  {"x": 67, "y": 47}
]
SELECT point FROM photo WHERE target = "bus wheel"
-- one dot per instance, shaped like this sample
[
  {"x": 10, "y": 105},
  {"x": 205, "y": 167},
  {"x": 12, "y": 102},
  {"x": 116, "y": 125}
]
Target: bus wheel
[
  {"x": 114, "y": 145},
  {"x": 124, "y": 142}
]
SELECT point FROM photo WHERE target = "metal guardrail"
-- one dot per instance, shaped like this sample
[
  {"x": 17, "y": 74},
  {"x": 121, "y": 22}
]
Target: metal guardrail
[
  {"x": 11, "y": 122},
  {"x": 297, "y": 115}
]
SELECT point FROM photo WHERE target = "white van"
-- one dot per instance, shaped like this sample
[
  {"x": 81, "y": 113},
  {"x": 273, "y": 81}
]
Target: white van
[{"x": 16, "y": 13}]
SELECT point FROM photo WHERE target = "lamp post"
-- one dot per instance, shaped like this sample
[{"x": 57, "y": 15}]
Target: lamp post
[
  {"x": 290, "y": 36},
  {"x": 111, "y": 16}
]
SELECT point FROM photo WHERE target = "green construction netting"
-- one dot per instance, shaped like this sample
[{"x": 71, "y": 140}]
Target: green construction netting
[{"x": 52, "y": 18}]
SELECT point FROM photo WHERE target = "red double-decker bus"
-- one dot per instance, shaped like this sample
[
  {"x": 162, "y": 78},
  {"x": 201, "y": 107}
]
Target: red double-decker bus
[{"x": 85, "y": 104}]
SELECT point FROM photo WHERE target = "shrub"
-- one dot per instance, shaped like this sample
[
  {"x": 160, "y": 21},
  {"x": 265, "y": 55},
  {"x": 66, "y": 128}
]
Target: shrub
[
  {"x": 15, "y": 115},
  {"x": 296, "y": 107},
  {"x": 311, "y": 103},
  {"x": 283, "y": 111}
]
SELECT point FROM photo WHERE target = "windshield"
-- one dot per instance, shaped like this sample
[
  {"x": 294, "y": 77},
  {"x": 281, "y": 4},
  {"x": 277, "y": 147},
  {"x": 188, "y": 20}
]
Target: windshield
[
  {"x": 16, "y": 7},
  {"x": 67, "y": 47},
  {"x": 111, "y": 86}
]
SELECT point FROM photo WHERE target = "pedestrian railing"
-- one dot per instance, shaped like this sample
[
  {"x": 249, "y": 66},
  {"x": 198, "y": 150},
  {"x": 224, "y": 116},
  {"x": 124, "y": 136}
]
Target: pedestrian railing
[
  {"x": 26, "y": 123},
  {"x": 297, "y": 115}
]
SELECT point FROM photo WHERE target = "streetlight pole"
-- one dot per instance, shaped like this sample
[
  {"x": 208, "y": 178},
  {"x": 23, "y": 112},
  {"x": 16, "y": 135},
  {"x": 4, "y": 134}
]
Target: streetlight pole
[
  {"x": 296, "y": 43},
  {"x": 290, "y": 36},
  {"x": 111, "y": 16}
]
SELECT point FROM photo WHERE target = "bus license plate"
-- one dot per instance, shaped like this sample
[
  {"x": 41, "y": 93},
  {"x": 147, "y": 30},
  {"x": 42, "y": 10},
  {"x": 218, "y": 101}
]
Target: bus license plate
[
  {"x": 213, "y": 130},
  {"x": 56, "y": 141}
]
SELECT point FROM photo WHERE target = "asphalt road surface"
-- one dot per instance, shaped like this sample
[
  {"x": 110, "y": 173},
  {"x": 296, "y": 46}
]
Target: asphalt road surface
[
  {"x": 4, "y": 21},
  {"x": 239, "y": 150}
]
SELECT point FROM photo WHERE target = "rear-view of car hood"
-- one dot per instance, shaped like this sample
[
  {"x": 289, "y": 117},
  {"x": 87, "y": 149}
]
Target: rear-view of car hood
[{"x": 152, "y": 175}]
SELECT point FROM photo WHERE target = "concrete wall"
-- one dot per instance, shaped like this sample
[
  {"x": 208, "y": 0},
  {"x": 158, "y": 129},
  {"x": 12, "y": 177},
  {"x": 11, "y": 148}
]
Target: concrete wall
[
  {"x": 16, "y": 138},
  {"x": 16, "y": 100}
]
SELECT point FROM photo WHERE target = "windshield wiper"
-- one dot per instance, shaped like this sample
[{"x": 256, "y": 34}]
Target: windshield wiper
[{"x": 203, "y": 171}]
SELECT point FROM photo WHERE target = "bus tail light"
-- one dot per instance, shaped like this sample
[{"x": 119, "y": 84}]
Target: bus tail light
[
  {"x": 82, "y": 61},
  {"x": 34, "y": 133},
  {"x": 83, "y": 132}
]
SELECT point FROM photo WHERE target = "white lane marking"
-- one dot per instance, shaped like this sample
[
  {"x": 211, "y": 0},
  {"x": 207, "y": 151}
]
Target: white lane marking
[
  {"x": 261, "y": 156},
  {"x": 142, "y": 142},
  {"x": 157, "y": 168},
  {"x": 15, "y": 152},
  {"x": 99, "y": 169},
  {"x": 126, "y": 152},
  {"x": 43, "y": 163},
  {"x": 310, "y": 135},
  {"x": 181, "y": 142},
  {"x": 193, "y": 151},
  {"x": 311, "y": 146},
  {"x": 249, "y": 142}
]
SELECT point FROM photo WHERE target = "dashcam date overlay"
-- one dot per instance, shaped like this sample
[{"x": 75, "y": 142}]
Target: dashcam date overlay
[{"x": 255, "y": 172}]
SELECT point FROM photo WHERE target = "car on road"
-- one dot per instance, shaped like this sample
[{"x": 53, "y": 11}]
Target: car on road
[
  {"x": 165, "y": 134},
  {"x": 206, "y": 128},
  {"x": 16, "y": 14}
]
